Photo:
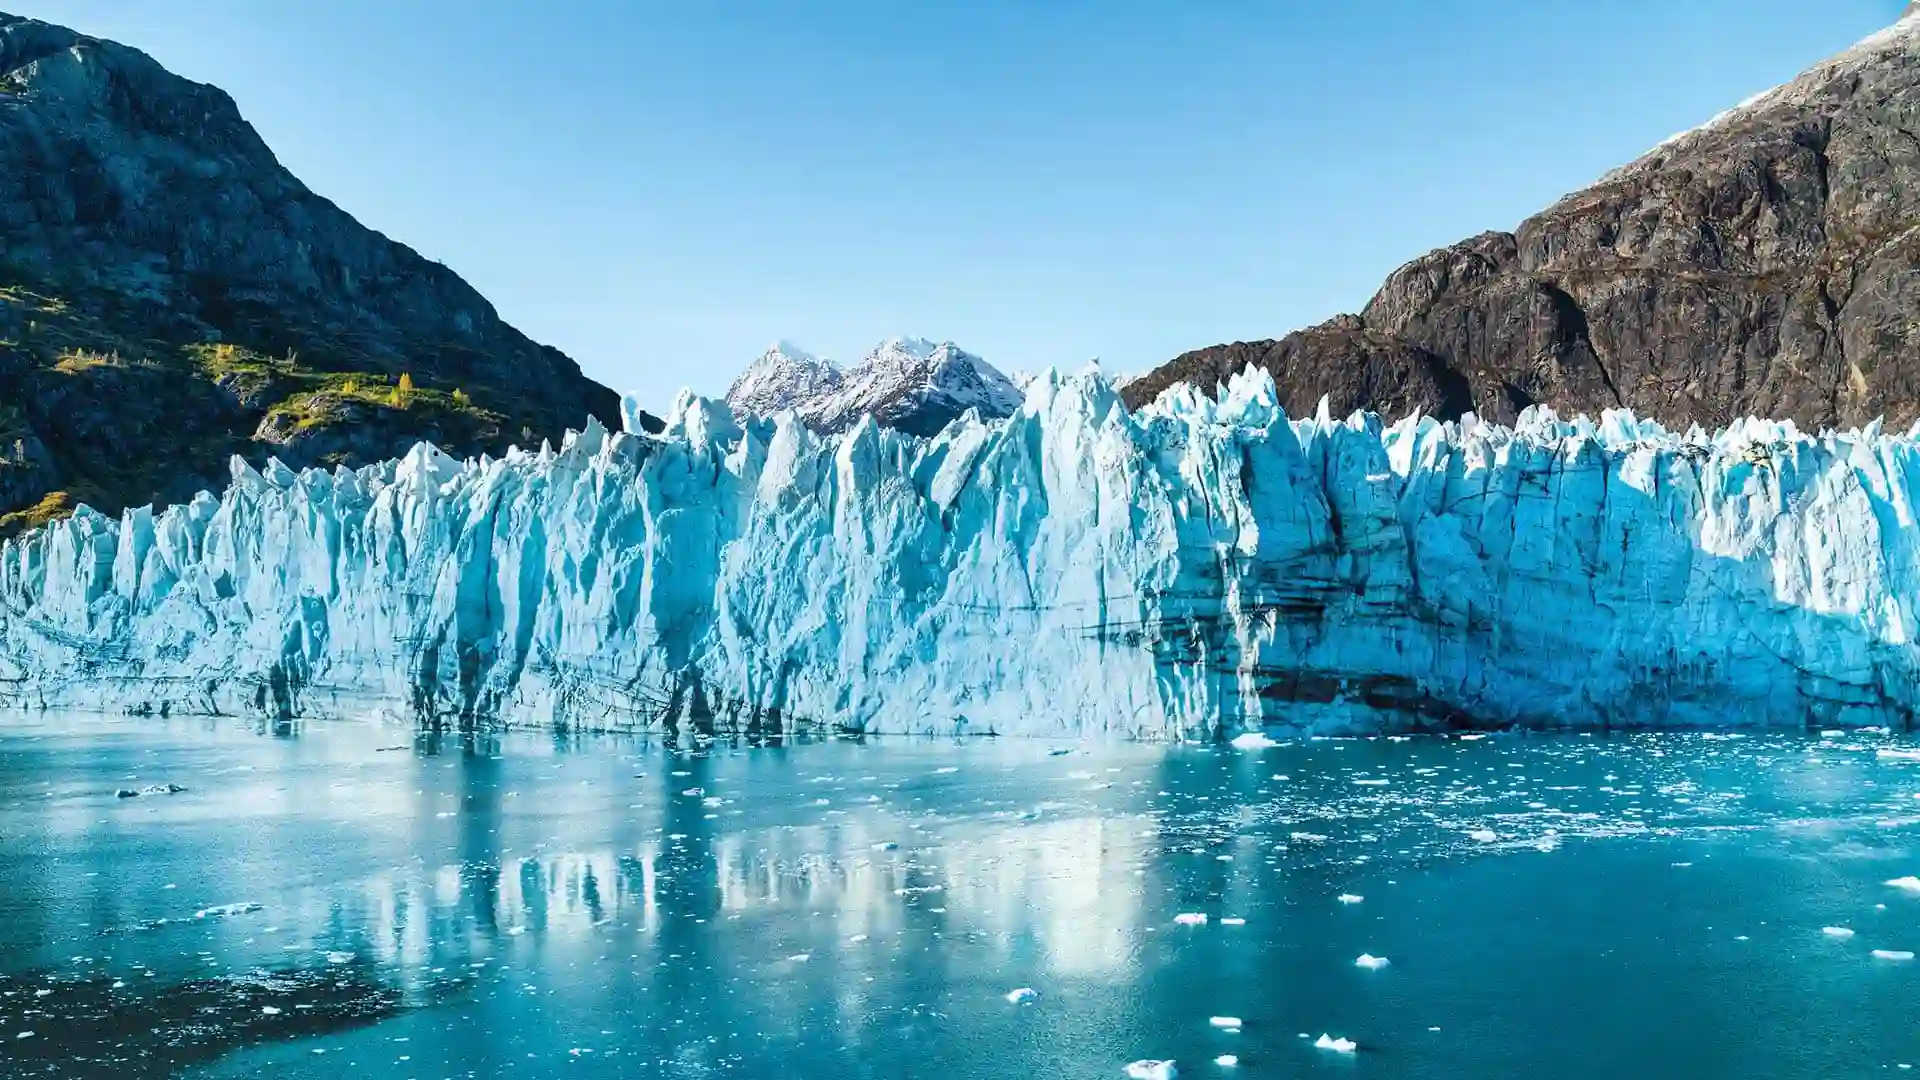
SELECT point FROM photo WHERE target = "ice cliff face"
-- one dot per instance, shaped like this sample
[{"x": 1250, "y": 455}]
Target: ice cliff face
[
  {"x": 909, "y": 384},
  {"x": 1191, "y": 570}
]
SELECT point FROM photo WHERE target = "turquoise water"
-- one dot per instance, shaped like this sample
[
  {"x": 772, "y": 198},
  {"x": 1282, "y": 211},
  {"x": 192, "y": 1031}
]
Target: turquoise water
[{"x": 338, "y": 900}]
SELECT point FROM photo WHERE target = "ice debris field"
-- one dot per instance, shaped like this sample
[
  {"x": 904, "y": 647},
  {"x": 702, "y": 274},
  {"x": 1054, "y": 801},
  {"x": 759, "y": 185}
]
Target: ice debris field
[
  {"x": 1166, "y": 897},
  {"x": 1200, "y": 568}
]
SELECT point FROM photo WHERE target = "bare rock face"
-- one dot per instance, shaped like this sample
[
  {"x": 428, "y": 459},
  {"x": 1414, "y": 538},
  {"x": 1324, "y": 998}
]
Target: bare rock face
[
  {"x": 1376, "y": 370},
  {"x": 166, "y": 288},
  {"x": 1766, "y": 263},
  {"x": 27, "y": 471}
]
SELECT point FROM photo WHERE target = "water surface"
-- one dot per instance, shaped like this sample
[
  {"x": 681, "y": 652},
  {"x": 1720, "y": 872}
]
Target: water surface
[{"x": 340, "y": 899}]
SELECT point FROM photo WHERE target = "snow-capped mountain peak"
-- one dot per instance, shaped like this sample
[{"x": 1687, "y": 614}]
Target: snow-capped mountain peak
[
  {"x": 909, "y": 383},
  {"x": 784, "y": 377},
  {"x": 904, "y": 350},
  {"x": 916, "y": 386}
]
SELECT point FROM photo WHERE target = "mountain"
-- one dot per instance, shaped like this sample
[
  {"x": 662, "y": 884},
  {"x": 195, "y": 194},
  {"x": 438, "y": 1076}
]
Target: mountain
[
  {"x": 1197, "y": 569},
  {"x": 171, "y": 295},
  {"x": 909, "y": 384},
  {"x": 1761, "y": 264},
  {"x": 785, "y": 377}
]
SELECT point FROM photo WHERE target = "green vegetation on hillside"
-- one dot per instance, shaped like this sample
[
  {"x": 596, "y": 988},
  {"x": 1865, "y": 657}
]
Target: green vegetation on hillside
[{"x": 128, "y": 406}]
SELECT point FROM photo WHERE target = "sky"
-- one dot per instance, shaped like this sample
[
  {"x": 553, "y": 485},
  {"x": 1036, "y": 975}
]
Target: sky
[{"x": 662, "y": 189}]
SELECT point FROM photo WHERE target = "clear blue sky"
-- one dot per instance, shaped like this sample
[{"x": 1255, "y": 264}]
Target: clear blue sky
[{"x": 661, "y": 189}]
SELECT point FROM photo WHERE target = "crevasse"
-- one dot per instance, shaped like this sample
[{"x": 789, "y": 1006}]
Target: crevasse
[{"x": 1200, "y": 567}]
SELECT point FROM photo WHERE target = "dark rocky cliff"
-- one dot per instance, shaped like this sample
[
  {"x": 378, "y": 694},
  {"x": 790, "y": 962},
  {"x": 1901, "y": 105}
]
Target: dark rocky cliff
[
  {"x": 170, "y": 295},
  {"x": 1766, "y": 263}
]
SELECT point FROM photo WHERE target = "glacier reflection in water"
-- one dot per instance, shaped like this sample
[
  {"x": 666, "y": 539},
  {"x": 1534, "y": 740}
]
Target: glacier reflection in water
[{"x": 341, "y": 900}]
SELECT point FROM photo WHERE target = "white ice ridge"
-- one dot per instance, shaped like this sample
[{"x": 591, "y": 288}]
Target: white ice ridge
[{"x": 1193, "y": 570}]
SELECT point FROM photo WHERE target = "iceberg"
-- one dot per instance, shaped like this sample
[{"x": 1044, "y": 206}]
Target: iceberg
[{"x": 1204, "y": 568}]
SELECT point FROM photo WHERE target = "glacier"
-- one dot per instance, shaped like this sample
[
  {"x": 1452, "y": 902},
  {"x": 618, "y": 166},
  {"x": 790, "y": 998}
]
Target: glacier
[{"x": 1203, "y": 567}]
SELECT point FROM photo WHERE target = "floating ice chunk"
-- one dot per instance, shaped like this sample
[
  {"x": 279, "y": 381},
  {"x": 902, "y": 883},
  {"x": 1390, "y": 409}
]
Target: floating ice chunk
[
  {"x": 1191, "y": 918},
  {"x": 1230, "y": 1023},
  {"x": 1252, "y": 740},
  {"x": 1338, "y": 1046},
  {"x": 339, "y": 958},
  {"x": 1022, "y": 995},
  {"x": 1371, "y": 962},
  {"x": 1892, "y": 954},
  {"x": 946, "y": 769},
  {"x": 150, "y": 789},
  {"x": 1151, "y": 1069},
  {"x": 800, "y": 957},
  {"x": 1233, "y": 922},
  {"x": 1485, "y": 836},
  {"x": 1372, "y": 783},
  {"x": 1226, "y": 1061},
  {"x": 1836, "y": 931},
  {"x": 1349, "y": 898},
  {"x": 1899, "y": 753},
  {"x": 222, "y": 910},
  {"x": 1909, "y": 883}
]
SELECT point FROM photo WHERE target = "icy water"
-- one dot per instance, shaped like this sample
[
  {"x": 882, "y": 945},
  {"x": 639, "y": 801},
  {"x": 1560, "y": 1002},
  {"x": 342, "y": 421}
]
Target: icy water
[{"x": 338, "y": 900}]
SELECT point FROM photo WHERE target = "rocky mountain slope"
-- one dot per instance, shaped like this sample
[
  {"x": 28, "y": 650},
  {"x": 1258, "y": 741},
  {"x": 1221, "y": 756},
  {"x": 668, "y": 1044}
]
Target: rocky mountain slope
[
  {"x": 784, "y": 377},
  {"x": 1766, "y": 263},
  {"x": 909, "y": 384},
  {"x": 171, "y": 295}
]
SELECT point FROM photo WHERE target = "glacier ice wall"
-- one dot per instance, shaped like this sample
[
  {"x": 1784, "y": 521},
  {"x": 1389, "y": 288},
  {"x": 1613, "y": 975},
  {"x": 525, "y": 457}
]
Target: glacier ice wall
[{"x": 1199, "y": 567}]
